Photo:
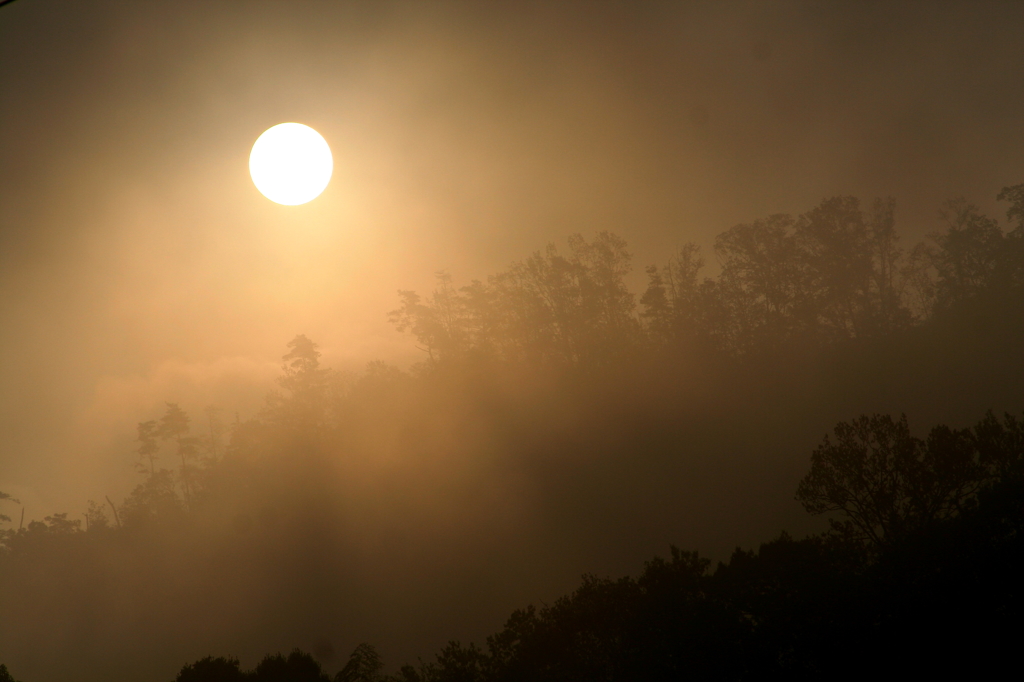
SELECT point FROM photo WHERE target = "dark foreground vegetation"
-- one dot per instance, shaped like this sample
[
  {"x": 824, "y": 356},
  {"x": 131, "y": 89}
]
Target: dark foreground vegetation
[
  {"x": 919, "y": 575},
  {"x": 557, "y": 423}
]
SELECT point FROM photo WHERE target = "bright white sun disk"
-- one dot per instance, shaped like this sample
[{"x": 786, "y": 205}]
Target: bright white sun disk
[{"x": 291, "y": 164}]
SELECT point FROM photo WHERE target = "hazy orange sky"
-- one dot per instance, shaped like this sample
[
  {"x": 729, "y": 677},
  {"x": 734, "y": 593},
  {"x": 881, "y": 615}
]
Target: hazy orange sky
[{"x": 139, "y": 264}]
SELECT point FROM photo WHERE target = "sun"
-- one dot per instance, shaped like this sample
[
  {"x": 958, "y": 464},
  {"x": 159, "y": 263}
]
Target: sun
[{"x": 291, "y": 164}]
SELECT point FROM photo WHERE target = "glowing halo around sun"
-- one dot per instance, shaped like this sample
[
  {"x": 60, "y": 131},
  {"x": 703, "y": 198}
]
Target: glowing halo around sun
[{"x": 291, "y": 164}]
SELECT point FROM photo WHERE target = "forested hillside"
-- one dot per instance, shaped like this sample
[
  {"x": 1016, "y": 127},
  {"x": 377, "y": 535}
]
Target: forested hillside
[{"x": 561, "y": 424}]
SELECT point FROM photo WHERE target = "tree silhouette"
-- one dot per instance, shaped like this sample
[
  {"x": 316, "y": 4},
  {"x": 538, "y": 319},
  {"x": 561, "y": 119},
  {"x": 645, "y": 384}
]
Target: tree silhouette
[
  {"x": 887, "y": 484},
  {"x": 297, "y": 667},
  {"x": 1015, "y": 195},
  {"x": 306, "y": 383},
  {"x": 836, "y": 247},
  {"x": 148, "y": 432},
  {"x": 678, "y": 308},
  {"x": 761, "y": 279},
  {"x": 969, "y": 252},
  {"x": 214, "y": 442},
  {"x": 6, "y": 496},
  {"x": 174, "y": 426},
  {"x": 96, "y": 517},
  {"x": 60, "y": 524},
  {"x": 364, "y": 665},
  {"x": 551, "y": 308},
  {"x": 155, "y": 498},
  {"x": 1012, "y": 261},
  {"x": 212, "y": 669},
  {"x": 890, "y": 274}
]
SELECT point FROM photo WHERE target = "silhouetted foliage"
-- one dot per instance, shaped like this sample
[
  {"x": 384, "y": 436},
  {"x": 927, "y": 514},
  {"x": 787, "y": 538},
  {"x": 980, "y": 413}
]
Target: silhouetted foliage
[
  {"x": 6, "y": 496},
  {"x": 558, "y": 418},
  {"x": 304, "y": 404},
  {"x": 888, "y": 484},
  {"x": 212, "y": 669},
  {"x": 96, "y": 519},
  {"x": 926, "y": 600},
  {"x": 969, "y": 254},
  {"x": 549, "y": 308},
  {"x": 174, "y": 427},
  {"x": 153, "y": 499},
  {"x": 297, "y": 667},
  {"x": 364, "y": 665},
  {"x": 836, "y": 272},
  {"x": 148, "y": 447}
]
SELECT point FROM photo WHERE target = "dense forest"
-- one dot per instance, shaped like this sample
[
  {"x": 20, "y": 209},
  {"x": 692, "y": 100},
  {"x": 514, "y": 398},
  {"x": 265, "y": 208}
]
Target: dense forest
[
  {"x": 558, "y": 417},
  {"x": 918, "y": 574}
]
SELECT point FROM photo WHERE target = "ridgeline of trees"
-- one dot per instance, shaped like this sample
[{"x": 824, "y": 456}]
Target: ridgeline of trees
[
  {"x": 835, "y": 272},
  {"x": 919, "y": 575},
  {"x": 555, "y": 400}
]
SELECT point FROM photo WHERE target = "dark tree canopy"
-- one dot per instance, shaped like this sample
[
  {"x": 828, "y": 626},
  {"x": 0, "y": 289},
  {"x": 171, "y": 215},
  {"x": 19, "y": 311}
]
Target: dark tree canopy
[
  {"x": 833, "y": 273},
  {"x": 886, "y": 484},
  {"x": 6, "y": 496}
]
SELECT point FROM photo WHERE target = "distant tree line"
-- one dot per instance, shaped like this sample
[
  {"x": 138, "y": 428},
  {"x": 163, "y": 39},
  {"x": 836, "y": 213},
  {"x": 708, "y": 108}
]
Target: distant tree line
[
  {"x": 364, "y": 665},
  {"x": 835, "y": 272},
  {"x": 169, "y": 494}
]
